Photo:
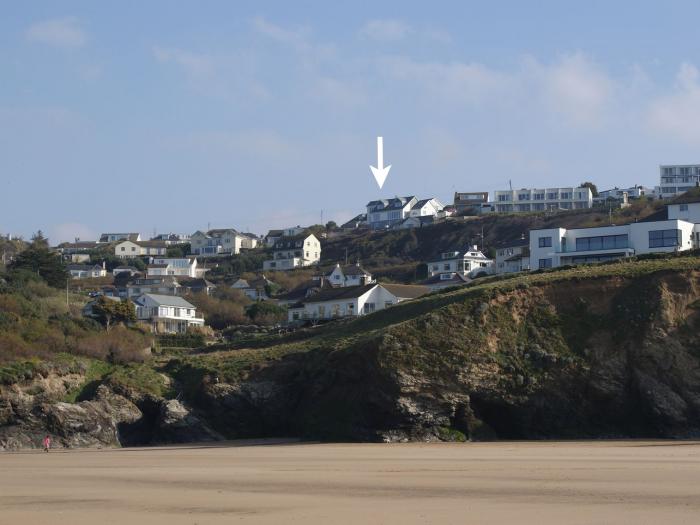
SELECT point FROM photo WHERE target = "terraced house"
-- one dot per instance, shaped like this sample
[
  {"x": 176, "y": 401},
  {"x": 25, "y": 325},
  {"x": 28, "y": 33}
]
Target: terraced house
[
  {"x": 386, "y": 213},
  {"x": 527, "y": 200}
]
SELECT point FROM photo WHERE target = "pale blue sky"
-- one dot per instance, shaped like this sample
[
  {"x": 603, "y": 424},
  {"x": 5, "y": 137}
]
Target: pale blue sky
[{"x": 141, "y": 115}]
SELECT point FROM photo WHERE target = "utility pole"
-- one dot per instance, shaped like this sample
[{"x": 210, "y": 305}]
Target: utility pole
[{"x": 67, "y": 306}]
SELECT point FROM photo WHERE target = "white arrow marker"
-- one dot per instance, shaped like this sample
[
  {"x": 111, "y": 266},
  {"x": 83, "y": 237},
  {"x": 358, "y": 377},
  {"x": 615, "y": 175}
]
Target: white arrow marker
[{"x": 380, "y": 172}]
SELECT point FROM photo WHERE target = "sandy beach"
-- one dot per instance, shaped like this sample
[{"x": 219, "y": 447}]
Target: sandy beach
[{"x": 482, "y": 483}]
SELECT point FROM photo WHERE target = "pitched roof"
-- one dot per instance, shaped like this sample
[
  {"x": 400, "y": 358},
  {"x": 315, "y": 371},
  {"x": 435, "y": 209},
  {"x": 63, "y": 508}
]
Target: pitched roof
[
  {"x": 390, "y": 204},
  {"x": 288, "y": 242},
  {"x": 457, "y": 278},
  {"x": 303, "y": 290},
  {"x": 195, "y": 282},
  {"x": 335, "y": 294},
  {"x": 406, "y": 291},
  {"x": 167, "y": 300},
  {"x": 689, "y": 197}
]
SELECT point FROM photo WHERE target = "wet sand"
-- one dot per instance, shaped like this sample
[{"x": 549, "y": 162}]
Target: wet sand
[{"x": 482, "y": 483}]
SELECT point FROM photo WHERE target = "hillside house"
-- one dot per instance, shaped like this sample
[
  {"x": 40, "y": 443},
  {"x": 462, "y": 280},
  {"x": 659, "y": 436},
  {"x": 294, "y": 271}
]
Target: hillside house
[
  {"x": 334, "y": 303},
  {"x": 512, "y": 257},
  {"x": 543, "y": 199},
  {"x": 86, "y": 271},
  {"x": 553, "y": 247},
  {"x": 180, "y": 266},
  {"x": 303, "y": 291},
  {"x": 125, "y": 269},
  {"x": 294, "y": 252},
  {"x": 172, "y": 238},
  {"x": 168, "y": 285},
  {"x": 349, "y": 275},
  {"x": 166, "y": 313},
  {"x": 469, "y": 263},
  {"x": 382, "y": 214},
  {"x": 470, "y": 203},
  {"x": 116, "y": 237},
  {"x": 220, "y": 242},
  {"x": 128, "y": 249},
  {"x": 254, "y": 289},
  {"x": 356, "y": 222}
]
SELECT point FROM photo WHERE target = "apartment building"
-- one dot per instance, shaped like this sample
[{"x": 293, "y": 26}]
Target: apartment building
[
  {"x": 529, "y": 200},
  {"x": 678, "y": 178}
]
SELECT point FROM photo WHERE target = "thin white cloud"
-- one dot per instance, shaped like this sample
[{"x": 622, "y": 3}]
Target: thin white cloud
[
  {"x": 63, "y": 32},
  {"x": 678, "y": 113},
  {"x": 194, "y": 64},
  {"x": 297, "y": 37},
  {"x": 385, "y": 30},
  {"x": 574, "y": 88}
]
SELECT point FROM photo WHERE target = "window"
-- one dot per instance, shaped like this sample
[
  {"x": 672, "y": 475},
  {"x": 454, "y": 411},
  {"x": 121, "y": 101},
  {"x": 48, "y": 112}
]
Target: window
[
  {"x": 336, "y": 277},
  {"x": 566, "y": 195},
  {"x": 545, "y": 263},
  {"x": 504, "y": 198},
  {"x": 538, "y": 196},
  {"x": 545, "y": 242},
  {"x": 387, "y": 304},
  {"x": 436, "y": 267},
  {"x": 523, "y": 196},
  {"x": 369, "y": 308},
  {"x": 664, "y": 238},
  {"x": 446, "y": 266},
  {"x": 123, "y": 249},
  {"x": 393, "y": 215},
  {"x": 604, "y": 242},
  {"x": 684, "y": 207},
  {"x": 552, "y": 196}
]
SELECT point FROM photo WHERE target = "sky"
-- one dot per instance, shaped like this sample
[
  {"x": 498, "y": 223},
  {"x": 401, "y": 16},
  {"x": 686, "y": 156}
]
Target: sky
[{"x": 174, "y": 116}]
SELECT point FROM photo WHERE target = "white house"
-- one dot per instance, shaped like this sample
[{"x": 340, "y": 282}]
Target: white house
[
  {"x": 294, "y": 252},
  {"x": 527, "y": 200},
  {"x": 125, "y": 269},
  {"x": 172, "y": 238},
  {"x": 255, "y": 289},
  {"x": 386, "y": 213},
  {"x": 512, "y": 257},
  {"x": 469, "y": 263},
  {"x": 225, "y": 241},
  {"x": 333, "y": 303},
  {"x": 349, "y": 275},
  {"x": 633, "y": 192},
  {"x": 154, "y": 285},
  {"x": 550, "y": 248},
  {"x": 180, "y": 266},
  {"x": 127, "y": 249},
  {"x": 676, "y": 179},
  {"x": 167, "y": 313},
  {"x": 86, "y": 271},
  {"x": 470, "y": 203}
]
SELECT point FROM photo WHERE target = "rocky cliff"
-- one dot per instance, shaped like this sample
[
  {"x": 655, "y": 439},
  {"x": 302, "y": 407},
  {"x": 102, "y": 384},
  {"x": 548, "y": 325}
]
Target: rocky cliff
[{"x": 576, "y": 354}]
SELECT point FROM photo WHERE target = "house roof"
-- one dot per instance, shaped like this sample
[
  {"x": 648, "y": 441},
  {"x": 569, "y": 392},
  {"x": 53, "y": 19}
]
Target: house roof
[
  {"x": 362, "y": 217},
  {"x": 275, "y": 233},
  {"x": 167, "y": 300},
  {"x": 457, "y": 278},
  {"x": 286, "y": 243},
  {"x": 406, "y": 291},
  {"x": 513, "y": 244},
  {"x": 354, "y": 269},
  {"x": 83, "y": 267},
  {"x": 125, "y": 236},
  {"x": 302, "y": 291},
  {"x": 334, "y": 294},
  {"x": 390, "y": 204},
  {"x": 195, "y": 282}
]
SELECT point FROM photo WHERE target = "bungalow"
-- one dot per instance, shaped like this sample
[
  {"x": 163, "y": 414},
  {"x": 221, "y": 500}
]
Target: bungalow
[
  {"x": 116, "y": 237},
  {"x": 255, "y": 289},
  {"x": 470, "y": 263},
  {"x": 349, "y": 275},
  {"x": 128, "y": 249},
  {"x": 303, "y": 291},
  {"x": 226, "y": 241},
  {"x": 294, "y": 252},
  {"x": 180, "y": 266},
  {"x": 86, "y": 271},
  {"x": 166, "y": 313},
  {"x": 353, "y": 301},
  {"x": 195, "y": 285},
  {"x": 70, "y": 248}
]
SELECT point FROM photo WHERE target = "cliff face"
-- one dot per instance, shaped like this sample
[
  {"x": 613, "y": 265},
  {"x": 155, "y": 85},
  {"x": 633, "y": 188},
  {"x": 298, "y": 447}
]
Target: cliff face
[{"x": 613, "y": 356}]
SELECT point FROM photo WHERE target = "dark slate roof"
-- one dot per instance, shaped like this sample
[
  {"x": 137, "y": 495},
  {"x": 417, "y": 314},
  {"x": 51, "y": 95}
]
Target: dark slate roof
[
  {"x": 458, "y": 278},
  {"x": 390, "y": 204},
  {"x": 406, "y": 291},
  {"x": 166, "y": 300},
  {"x": 513, "y": 244},
  {"x": 335, "y": 294},
  {"x": 421, "y": 203},
  {"x": 195, "y": 282},
  {"x": 303, "y": 290},
  {"x": 290, "y": 242},
  {"x": 353, "y": 269}
]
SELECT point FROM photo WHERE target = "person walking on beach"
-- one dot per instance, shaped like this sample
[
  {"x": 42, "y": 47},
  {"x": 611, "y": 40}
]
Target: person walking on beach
[{"x": 47, "y": 443}]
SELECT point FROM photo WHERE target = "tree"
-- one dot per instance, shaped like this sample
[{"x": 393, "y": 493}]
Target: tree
[
  {"x": 593, "y": 187},
  {"x": 266, "y": 313},
  {"x": 108, "y": 311},
  {"x": 331, "y": 226},
  {"x": 38, "y": 259}
]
